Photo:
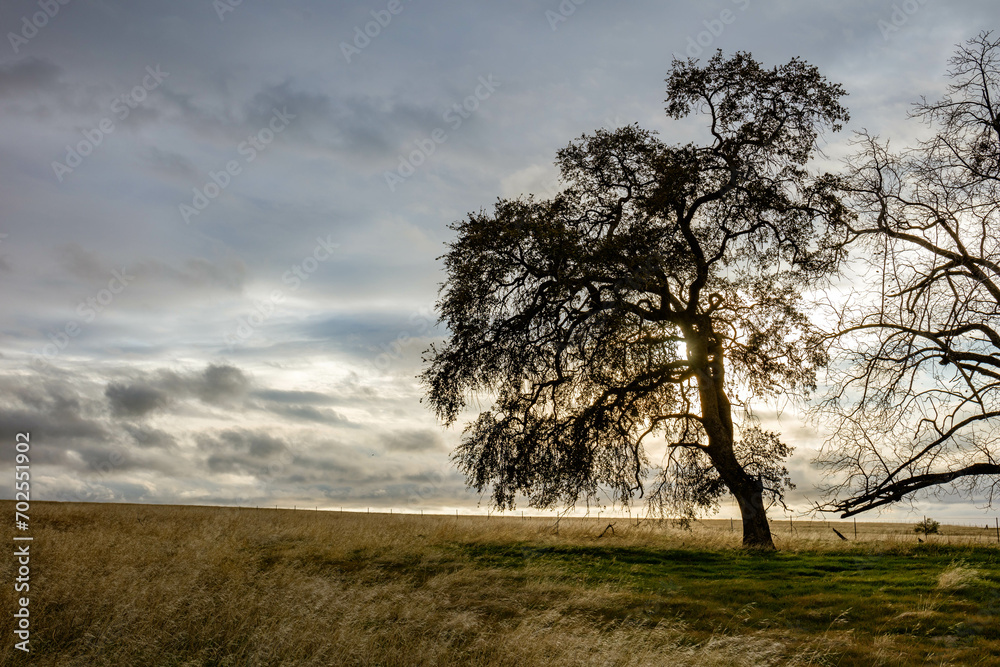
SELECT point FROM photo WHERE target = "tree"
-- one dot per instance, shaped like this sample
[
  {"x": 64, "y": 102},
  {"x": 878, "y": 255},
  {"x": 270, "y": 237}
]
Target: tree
[
  {"x": 927, "y": 527},
  {"x": 655, "y": 295},
  {"x": 916, "y": 405}
]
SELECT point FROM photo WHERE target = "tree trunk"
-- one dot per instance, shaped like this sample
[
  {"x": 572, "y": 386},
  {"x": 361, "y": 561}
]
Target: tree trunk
[
  {"x": 756, "y": 530},
  {"x": 718, "y": 423},
  {"x": 749, "y": 494}
]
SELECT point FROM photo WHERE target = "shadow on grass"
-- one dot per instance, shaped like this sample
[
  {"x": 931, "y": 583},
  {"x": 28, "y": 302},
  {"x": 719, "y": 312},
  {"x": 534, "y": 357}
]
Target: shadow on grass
[{"x": 890, "y": 592}]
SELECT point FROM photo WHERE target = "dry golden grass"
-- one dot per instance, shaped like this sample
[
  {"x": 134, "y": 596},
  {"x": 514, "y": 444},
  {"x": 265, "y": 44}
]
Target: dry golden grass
[
  {"x": 158, "y": 585},
  {"x": 958, "y": 576}
]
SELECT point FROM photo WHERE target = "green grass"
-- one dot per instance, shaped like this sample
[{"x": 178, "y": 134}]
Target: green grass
[{"x": 807, "y": 593}]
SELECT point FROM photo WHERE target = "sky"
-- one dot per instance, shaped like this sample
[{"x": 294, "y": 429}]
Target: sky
[{"x": 220, "y": 221}]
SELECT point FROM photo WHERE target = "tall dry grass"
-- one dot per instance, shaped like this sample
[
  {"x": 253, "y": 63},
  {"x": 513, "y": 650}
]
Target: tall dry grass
[{"x": 156, "y": 585}]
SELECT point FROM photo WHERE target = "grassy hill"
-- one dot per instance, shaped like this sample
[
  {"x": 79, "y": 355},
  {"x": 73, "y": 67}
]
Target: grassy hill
[{"x": 167, "y": 585}]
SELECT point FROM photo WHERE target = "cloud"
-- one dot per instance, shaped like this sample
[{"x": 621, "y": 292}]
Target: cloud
[
  {"x": 298, "y": 397},
  {"x": 60, "y": 417},
  {"x": 147, "y": 437},
  {"x": 135, "y": 400},
  {"x": 221, "y": 384},
  {"x": 243, "y": 451},
  {"x": 196, "y": 275},
  {"x": 82, "y": 263},
  {"x": 29, "y": 75},
  {"x": 217, "y": 385},
  {"x": 422, "y": 440},
  {"x": 310, "y": 414},
  {"x": 170, "y": 163},
  {"x": 125, "y": 434}
]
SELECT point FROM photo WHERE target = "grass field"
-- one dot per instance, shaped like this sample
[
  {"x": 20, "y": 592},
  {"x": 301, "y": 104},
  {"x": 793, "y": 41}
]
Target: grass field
[{"x": 158, "y": 585}]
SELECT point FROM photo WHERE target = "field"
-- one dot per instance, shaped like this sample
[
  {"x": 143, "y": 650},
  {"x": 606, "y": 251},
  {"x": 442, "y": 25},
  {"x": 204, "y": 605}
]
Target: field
[{"x": 167, "y": 585}]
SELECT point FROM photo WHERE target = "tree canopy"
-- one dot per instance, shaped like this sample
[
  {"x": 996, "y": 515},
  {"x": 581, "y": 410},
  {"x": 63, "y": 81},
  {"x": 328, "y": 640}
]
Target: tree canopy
[{"x": 650, "y": 300}]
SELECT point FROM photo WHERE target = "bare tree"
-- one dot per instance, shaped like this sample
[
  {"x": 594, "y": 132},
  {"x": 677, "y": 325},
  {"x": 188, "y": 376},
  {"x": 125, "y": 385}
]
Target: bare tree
[
  {"x": 662, "y": 283},
  {"x": 918, "y": 397}
]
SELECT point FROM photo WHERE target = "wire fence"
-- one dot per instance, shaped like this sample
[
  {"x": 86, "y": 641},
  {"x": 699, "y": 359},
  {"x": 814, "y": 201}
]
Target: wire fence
[{"x": 958, "y": 530}]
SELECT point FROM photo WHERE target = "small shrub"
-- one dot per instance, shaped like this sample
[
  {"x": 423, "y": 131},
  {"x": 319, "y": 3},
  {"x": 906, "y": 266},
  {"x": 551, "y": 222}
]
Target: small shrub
[{"x": 927, "y": 527}]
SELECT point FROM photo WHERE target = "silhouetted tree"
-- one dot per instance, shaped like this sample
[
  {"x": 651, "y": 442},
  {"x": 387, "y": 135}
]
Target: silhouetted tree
[
  {"x": 916, "y": 406},
  {"x": 652, "y": 297}
]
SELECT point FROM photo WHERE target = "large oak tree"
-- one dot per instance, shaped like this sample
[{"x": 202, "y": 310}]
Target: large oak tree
[{"x": 653, "y": 297}]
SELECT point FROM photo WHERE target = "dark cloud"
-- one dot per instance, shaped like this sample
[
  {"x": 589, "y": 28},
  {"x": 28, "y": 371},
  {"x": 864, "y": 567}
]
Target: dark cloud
[
  {"x": 38, "y": 88},
  {"x": 310, "y": 414},
  {"x": 221, "y": 384},
  {"x": 54, "y": 431},
  {"x": 104, "y": 438},
  {"x": 29, "y": 75},
  {"x": 60, "y": 417},
  {"x": 145, "y": 436},
  {"x": 242, "y": 451},
  {"x": 369, "y": 127},
  {"x": 413, "y": 441},
  {"x": 134, "y": 400}
]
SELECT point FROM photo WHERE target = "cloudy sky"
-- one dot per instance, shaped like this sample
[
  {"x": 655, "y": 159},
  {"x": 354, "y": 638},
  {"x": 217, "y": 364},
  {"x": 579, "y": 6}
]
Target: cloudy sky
[{"x": 220, "y": 220}]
